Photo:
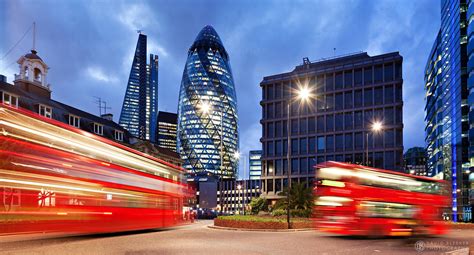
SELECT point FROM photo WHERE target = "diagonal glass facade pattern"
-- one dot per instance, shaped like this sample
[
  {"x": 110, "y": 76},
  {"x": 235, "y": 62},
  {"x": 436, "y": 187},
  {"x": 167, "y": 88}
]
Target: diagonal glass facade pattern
[
  {"x": 446, "y": 109},
  {"x": 207, "y": 80},
  {"x": 140, "y": 104}
]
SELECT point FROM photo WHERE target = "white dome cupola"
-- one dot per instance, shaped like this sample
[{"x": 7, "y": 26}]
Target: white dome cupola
[{"x": 33, "y": 69}]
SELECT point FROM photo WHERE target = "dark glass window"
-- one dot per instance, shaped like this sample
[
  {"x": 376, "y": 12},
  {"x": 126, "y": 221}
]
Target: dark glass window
[
  {"x": 321, "y": 124},
  {"x": 312, "y": 145},
  {"x": 278, "y": 129},
  {"x": 340, "y": 158},
  {"x": 320, "y": 84},
  {"x": 285, "y": 147},
  {"x": 378, "y": 74},
  {"x": 339, "y": 122},
  {"x": 295, "y": 166},
  {"x": 285, "y": 166},
  {"x": 278, "y": 167},
  {"x": 270, "y": 92},
  {"x": 358, "y": 141},
  {"x": 368, "y": 118},
  {"x": 348, "y": 79},
  {"x": 378, "y": 115},
  {"x": 388, "y": 72},
  {"x": 330, "y": 102},
  {"x": 378, "y": 139},
  {"x": 389, "y": 94},
  {"x": 358, "y": 98},
  {"x": 286, "y": 91},
  {"x": 278, "y": 110},
  {"x": 348, "y": 158},
  {"x": 358, "y": 120},
  {"x": 348, "y": 141},
  {"x": 270, "y": 148},
  {"x": 294, "y": 146},
  {"x": 399, "y": 138},
  {"x": 320, "y": 103},
  {"x": 378, "y": 159},
  {"x": 398, "y": 70},
  {"x": 329, "y": 82},
  {"x": 278, "y": 91},
  {"x": 270, "y": 185},
  {"x": 303, "y": 126},
  {"x": 294, "y": 127},
  {"x": 388, "y": 116},
  {"x": 339, "y": 142},
  {"x": 311, "y": 125},
  {"x": 278, "y": 185},
  {"x": 348, "y": 100},
  {"x": 389, "y": 161},
  {"x": 358, "y": 158},
  {"x": 389, "y": 138},
  {"x": 368, "y": 97},
  {"x": 329, "y": 123},
  {"x": 329, "y": 143},
  {"x": 303, "y": 165},
  {"x": 278, "y": 148},
  {"x": 339, "y": 104},
  {"x": 321, "y": 159},
  {"x": 358, "y": 77},
  {"x": 284, "y": 125},
  {"x": 398, "y": 115},
  {"x": 303, "y": 146},
  {"x": 270, "y": 111},
  {"x": 398, "y": 93},
  {"x": 311, "y": 163},
  {"x": 348, "y": 120},
  {"x": 339, "y": 81},
  {"x": 368, "y": 75},
  {"x": 330, "y": 158},
  {"x": 270, "y": 130},
  {"x": 378, "y": 95},
  {"x": 321, "y": 144}
]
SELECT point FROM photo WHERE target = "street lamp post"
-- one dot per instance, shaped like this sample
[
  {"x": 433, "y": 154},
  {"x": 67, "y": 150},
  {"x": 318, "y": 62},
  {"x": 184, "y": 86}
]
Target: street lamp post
[
  {"x": 376, "y": 127},
  {"x": 303, "y": 94},
  {"x": 239, "y": 187}
]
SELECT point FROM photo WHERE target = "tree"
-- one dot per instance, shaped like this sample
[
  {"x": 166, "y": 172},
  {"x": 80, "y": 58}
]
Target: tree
[
  {"x": 301, "y": 197},
  {"x": 258, "y": 204}
]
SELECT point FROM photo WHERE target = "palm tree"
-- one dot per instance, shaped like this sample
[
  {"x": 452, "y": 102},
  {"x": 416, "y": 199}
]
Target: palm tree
[{"x": 301, "y": 197}]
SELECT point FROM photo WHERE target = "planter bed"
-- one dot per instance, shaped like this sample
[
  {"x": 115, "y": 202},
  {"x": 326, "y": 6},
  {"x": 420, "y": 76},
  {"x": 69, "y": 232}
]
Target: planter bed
[{"x": 263, "y": 223}]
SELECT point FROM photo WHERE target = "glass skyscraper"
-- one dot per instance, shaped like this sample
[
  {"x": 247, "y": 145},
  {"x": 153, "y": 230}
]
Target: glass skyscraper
[
  {"x": 447, "y": 106},
  {"x": 207, "y": 110},
  {"x": 167, "y": 130},
  {"x": 140, "y": 105}
]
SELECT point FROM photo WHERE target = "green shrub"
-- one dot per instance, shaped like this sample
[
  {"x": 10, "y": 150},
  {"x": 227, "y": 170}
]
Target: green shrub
[
  {"x": 278, "y": 212},
  {"x": 258, "y": 204}
]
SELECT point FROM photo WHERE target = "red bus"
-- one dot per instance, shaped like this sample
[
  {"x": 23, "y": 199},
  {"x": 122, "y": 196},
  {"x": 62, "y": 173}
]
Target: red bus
[
  {"x": 357, "y": 200},
  {"x": 57, "y": 178}
]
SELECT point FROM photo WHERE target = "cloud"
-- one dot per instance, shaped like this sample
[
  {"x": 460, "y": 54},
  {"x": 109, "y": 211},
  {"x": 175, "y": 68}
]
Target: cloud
[
  {"x": 98, "y": 74},
  {"x": 136, "y": 16}
]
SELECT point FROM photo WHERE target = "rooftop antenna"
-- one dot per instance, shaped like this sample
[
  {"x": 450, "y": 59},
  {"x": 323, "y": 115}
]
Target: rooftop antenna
[
  {"x": 139, "y": 31},
  {"x": 105, "y": 107},
  {"x": 334, "y": 51},
  {"x": 34, "y": 37},
  {"x": 102, "y": 105}
]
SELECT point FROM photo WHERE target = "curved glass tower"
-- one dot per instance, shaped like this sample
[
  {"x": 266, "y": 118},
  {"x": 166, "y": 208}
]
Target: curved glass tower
[{"x": 207, "y": 109}]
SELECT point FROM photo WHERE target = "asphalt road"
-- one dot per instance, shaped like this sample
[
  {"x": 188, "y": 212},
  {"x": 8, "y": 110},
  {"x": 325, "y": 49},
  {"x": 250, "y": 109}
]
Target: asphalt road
[{"x": 199, "y": 239}]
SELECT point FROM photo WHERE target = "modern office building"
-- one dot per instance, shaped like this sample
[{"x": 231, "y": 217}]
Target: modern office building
[
  {"x": 167, "y": 130},
  {"x": 140, "y": 104},
  {"x": 350, "y": 94},
  {"x": 415, "y": 161},
  {"x": 255, "y": 165},
  {"x": 207, "y": 109},
  {"x": 449, "y": 135},
  {"x": 237, "y": 195}
]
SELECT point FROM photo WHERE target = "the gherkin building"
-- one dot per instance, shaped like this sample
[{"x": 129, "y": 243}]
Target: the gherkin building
[{"x": 207, "y": 110}]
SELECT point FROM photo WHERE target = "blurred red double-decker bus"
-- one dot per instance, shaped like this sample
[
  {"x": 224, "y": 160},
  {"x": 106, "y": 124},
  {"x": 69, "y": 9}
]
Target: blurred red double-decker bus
[
  {"x": 357, "y": 200},
  {"x": 57, "y": 178}
]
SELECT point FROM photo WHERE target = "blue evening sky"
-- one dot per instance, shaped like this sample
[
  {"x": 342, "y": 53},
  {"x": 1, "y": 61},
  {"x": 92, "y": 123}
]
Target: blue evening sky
[{"x": 89, "y": 45}]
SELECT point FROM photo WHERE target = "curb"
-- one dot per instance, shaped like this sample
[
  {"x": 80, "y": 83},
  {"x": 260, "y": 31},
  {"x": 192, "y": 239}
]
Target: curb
[{"x": 261, "y": 230}]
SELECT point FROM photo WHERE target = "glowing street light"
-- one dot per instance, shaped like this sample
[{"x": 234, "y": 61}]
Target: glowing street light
[
  {"x": 377, "y": 126},
  {"x": 237, "y": 155},
  {"x": 303, "y": 93}
]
